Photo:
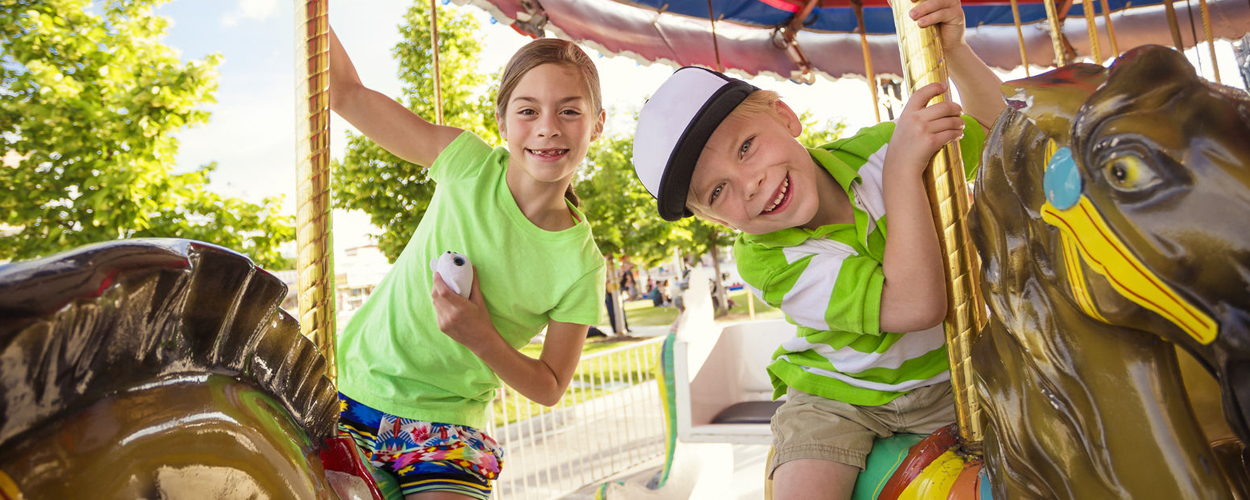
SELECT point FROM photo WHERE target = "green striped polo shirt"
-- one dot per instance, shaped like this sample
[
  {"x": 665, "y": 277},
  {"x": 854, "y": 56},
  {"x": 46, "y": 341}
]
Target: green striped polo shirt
[{"x": 828, "y": 283}]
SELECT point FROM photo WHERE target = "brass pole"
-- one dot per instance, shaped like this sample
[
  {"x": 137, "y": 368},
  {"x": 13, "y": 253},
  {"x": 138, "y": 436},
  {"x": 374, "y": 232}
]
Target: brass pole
[
  {"x": 1056, "y": 33},
  {"x": 1174, "y": 26},
  {"x": 863, "y": 42},
  {"x": 1206, "y": 29},
  {"x": 711, "y": 16},
  {"x": 1106, "y": 14},
  {"x": 312, "y": 176},
  {"x": 1024, "y": 57},
  {"x": 1095, "y": 50},
  {"x": 438, "y": 84},
  {"x": 922, "y": 56}
]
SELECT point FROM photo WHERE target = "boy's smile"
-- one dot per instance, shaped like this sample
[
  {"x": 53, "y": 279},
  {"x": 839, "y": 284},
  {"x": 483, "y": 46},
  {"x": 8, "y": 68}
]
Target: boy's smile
[{"x": 754, "y": 176}]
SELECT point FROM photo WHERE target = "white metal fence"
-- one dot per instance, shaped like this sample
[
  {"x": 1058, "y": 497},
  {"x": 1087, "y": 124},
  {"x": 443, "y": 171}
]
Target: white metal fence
[{"x": 610, "y": 419}]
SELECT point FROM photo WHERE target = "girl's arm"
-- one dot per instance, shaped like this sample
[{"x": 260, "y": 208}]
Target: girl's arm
[
  {"x": 380, "y": 118},
  {"x": 542, "y": 380}
]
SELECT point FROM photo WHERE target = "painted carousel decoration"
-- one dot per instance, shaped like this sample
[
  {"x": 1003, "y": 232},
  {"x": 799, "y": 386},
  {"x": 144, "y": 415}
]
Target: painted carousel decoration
[{"x": 1111, "y": 221}]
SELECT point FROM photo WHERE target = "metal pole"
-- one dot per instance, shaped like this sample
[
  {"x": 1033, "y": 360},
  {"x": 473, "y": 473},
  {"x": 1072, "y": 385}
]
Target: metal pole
[
  {"x": 1095, "y": 50},
  {"x": 1206, "y": 29},
  {"x": 1056, "y": 33},
  {"x": 921, "y": 53},
  {"x": 1106, "y": 14},
  {"x": 858, "y": 5},
  {"x": 1024, "y": 57},
  {"x": 313, "y": 233},
  {"x": 438, "y": 83},
  {"x": 1174, "y": 25}
]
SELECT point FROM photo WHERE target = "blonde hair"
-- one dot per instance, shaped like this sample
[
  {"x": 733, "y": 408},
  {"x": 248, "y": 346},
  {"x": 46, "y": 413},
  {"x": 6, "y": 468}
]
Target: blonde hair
[
  {"x": 759, "y": 102},
  {"x": 549, "y": 51}
]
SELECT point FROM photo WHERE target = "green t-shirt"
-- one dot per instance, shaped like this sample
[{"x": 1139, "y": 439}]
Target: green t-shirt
[
  {"x": 393, "y": 357},
  {"x": 828, "y": 282}
]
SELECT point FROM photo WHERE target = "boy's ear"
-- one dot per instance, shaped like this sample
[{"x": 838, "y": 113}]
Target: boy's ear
[{"x": 788, "y": 118}]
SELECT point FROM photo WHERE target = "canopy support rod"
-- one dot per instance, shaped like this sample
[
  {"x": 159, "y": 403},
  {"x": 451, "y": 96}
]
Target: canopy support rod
[
  {"x": 1056, "y": 33},
  {"x": 1095, "y": 49},
  {"x": 438, "y": 83},
  {"x": 1206, "y": 28},
  {"x": 715, "y": 44},
  {"x": 1174, "y": 25},
  {"x": 1106, "y": 14},
  {"x": 1024, "y": 57},
  {"x": 858, "y": 5}
]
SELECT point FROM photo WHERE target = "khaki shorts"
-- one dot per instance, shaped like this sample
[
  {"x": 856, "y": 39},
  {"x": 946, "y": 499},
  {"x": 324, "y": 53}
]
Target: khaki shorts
[{"x": 808, "y": 426}]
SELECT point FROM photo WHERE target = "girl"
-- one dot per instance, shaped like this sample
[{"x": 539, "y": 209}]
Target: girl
[{"x": 419, "y": 364}]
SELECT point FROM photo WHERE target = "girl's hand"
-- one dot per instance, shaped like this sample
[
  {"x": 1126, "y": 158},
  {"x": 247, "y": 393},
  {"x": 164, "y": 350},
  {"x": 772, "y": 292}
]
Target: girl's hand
[
  {"x": 921, "y": 130},
  {"x": 464, "y": 320},
  {"x": 947, "y": 15}
]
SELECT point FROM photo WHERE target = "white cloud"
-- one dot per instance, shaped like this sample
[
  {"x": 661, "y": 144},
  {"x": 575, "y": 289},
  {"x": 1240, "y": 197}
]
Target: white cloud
[{"x": 259, "y": 10}]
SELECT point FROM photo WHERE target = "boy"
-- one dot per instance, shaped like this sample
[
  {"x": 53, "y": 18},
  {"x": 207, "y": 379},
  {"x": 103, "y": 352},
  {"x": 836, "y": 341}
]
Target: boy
[{"x": 870, "y": 356}]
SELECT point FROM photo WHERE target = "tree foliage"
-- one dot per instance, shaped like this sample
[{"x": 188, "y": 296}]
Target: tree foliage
[
  {"x": 93, "y": 102},
  {"x": 396, "y": 193}
]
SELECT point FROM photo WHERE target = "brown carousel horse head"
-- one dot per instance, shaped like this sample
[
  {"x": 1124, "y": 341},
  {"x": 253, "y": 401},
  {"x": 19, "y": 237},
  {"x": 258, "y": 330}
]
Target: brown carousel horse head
[
  {"x": 1156, "y": 200},
  {"x": 157, "y": 369},
  {"x": 1113, "y": 214}
]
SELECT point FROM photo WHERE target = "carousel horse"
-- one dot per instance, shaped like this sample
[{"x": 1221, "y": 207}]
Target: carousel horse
[
  {"x": 157, "y": 369},
  {"x": 1112, "y": 219}
]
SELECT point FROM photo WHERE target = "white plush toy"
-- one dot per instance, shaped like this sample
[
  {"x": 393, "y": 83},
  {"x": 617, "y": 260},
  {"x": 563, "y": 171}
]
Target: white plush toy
[{"x": 456, "y": 271}]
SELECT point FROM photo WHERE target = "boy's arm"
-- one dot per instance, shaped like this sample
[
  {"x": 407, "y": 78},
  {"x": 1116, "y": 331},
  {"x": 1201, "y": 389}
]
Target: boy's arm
[
  {"x": 380, "y": 118},
  {"x": 913, "y": 295},
  {"x": 979, "y": 86}
]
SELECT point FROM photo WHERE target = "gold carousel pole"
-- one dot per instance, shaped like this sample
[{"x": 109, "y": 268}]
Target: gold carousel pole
[
  {"x": 1095, "y": 49},
  {"x": 438, "y": 80},
  {"x": 858, "y": 5},
  {"x": 1024, "y": 57},
  {"x": 1206, "y": 28},
  {"x": 1106, "y": 14},
  {"x": 312, "y": 177},
  {"x": 1174, "y": 26},
  {"x": 921, "y": 52},
  {"x": 1056, "y": 32}
]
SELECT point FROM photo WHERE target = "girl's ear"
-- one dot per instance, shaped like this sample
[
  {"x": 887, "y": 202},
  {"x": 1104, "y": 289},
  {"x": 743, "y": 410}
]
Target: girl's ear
[
  {"x": 603, "y": 115},
  {"x": 503, "y": 126},
  {"x": 787, "y": 118}
]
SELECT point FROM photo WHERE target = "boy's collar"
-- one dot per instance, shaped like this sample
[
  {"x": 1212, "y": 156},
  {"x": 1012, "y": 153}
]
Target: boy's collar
[{"x": 843, "y": 174}]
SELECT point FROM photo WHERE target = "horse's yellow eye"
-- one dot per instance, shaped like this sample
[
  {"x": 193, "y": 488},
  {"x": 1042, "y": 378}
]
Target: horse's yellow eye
[{"x": 1129, "y": 173}]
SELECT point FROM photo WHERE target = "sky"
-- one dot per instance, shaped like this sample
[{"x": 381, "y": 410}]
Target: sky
[{"x": 251, "y": 133}]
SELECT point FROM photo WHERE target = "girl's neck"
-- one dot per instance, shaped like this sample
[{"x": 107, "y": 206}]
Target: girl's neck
[{"x": 540, "y": 202}]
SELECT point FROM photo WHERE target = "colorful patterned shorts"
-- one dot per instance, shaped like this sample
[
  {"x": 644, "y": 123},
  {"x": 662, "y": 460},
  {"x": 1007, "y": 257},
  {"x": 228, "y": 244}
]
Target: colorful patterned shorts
[{"x": 423, "y": 456}]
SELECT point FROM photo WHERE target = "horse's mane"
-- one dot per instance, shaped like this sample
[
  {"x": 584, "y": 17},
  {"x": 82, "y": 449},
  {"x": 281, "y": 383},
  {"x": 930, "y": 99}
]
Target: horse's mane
[{"x": 82, "y": 325}]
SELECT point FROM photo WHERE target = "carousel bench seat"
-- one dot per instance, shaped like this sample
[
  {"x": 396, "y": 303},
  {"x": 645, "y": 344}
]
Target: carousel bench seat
[{"x": 722, "y": 388}]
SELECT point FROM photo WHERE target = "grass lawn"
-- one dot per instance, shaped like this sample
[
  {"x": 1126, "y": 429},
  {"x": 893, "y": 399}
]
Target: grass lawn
[{"x": 643, "y": 313}]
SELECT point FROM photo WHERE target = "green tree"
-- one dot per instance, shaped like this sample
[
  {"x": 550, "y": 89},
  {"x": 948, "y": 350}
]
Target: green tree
[
  {"x": 93, "y": 103},
  {"x": 816, "y": 133},
  {"x": 396, "y": 193}
]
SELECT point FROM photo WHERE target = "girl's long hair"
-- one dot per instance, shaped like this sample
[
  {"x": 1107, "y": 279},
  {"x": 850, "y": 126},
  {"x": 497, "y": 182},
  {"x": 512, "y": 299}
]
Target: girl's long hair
[{"x": 544, "y": 51}]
